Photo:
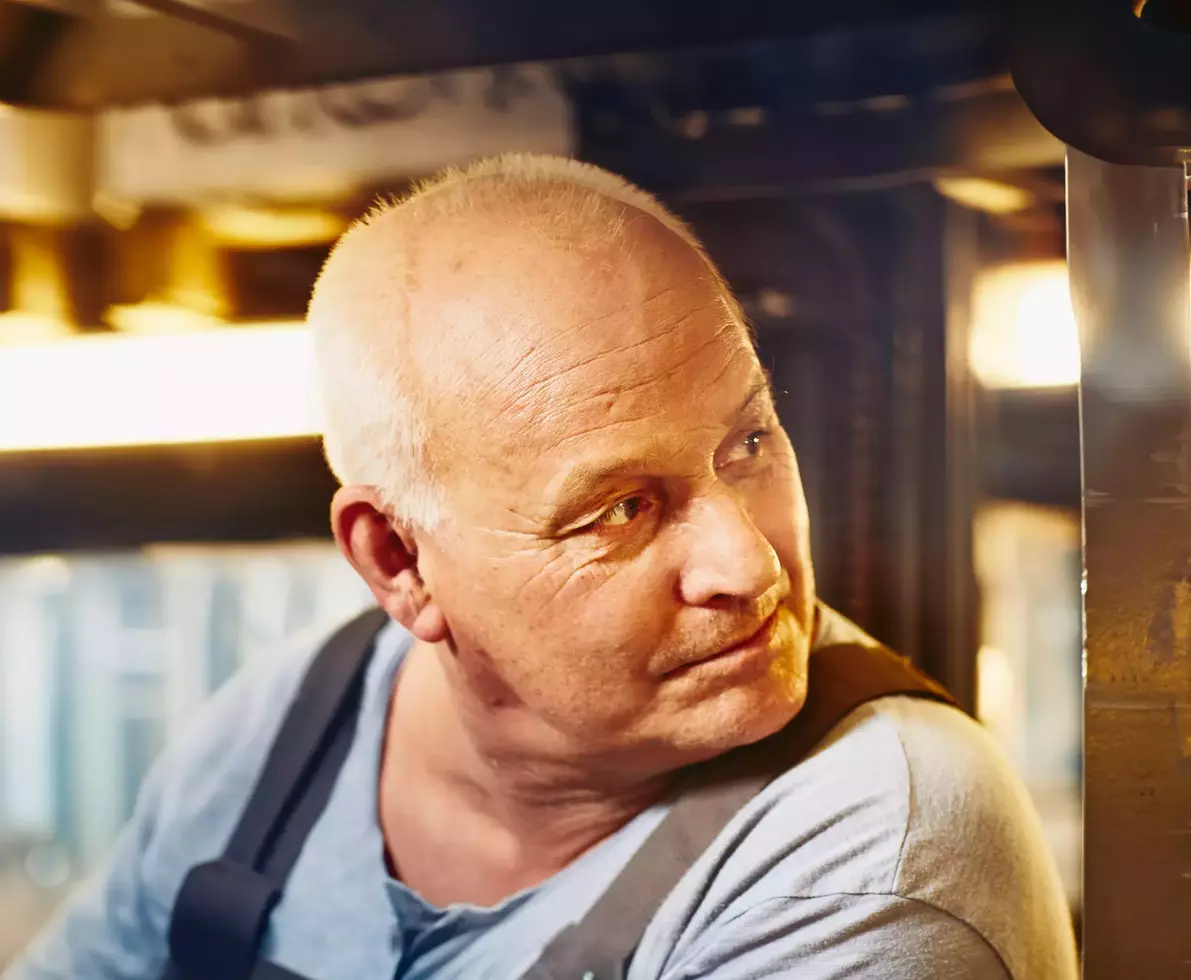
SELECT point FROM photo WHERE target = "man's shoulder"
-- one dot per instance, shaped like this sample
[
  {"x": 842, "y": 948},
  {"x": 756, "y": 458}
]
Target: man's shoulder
[
  {"x": 844, "y": 815},
  {"x": 974, "y": 844},
  {"x": 910, "y": 801}
]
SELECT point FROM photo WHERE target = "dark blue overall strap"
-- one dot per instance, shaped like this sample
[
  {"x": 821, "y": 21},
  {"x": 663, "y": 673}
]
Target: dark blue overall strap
[
  {"x": 223, "y": 906},
  {"x": 842, "y": 677}
]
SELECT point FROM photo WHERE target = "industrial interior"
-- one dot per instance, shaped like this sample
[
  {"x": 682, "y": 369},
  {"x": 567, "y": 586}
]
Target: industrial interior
[{"x": 173, "y": 173}]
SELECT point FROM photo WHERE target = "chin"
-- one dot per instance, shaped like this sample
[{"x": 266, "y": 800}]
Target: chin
[{"x": 736, "y": 716}]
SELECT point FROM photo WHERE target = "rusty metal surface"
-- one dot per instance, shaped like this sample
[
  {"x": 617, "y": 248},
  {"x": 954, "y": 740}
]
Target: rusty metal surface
[{"x": 1130, "y": 262}]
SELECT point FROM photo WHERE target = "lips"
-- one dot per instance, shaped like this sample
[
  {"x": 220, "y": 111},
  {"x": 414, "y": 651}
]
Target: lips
[{"x": 759, "y": 636}]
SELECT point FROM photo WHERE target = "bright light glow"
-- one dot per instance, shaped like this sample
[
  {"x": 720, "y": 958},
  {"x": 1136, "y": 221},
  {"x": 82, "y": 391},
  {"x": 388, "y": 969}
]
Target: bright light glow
[
  {"x": 982, "y": 194},
  {"x": 158, "y": 318},
  {"x": 1023, "y": 327},
  {"x": 220, "y": 385},
  {"x": 17, "y": 327},
  {"x": 997, "y": 701},
  {"x": 272, "y": 227}
]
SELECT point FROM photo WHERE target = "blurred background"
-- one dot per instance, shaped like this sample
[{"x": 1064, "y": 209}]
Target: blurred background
[{"x": 173, "y": 173}]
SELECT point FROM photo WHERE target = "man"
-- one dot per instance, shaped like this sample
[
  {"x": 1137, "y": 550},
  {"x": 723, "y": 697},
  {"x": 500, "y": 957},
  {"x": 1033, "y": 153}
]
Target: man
[{"x": 564, "y": 479}]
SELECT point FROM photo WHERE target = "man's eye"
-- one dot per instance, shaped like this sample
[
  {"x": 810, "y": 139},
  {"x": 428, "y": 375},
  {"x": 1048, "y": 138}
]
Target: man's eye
[
  {"x": 754, "y": 442},
  {"x": 751, "y": 446},
  {"x": 625, "y": 512}
]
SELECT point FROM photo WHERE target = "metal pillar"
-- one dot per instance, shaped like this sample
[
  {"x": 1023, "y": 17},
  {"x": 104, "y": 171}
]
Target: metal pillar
[{"x": 1130, "y": 269}]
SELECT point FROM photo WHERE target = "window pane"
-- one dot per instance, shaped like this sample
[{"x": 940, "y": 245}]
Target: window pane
[{"x": 103, "y": 658}]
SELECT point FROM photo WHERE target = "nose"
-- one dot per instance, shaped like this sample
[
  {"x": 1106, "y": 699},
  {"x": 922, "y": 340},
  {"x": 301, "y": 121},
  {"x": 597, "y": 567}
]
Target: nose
[{"x": 729, "y": 559}]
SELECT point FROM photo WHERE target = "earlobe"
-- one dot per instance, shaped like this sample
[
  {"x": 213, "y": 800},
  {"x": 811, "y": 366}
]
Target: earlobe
[
  {"x": 385, "y": 556},
  {"x": 430, "y": 626},
  {"x": 415, "y": 609}
]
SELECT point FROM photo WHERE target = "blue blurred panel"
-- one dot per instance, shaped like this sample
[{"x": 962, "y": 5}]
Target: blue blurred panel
[{"x": 107, "y": 657}]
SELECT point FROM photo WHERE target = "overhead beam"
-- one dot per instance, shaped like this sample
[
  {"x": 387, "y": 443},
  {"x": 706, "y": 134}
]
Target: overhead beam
[
  {"x": 823, "y": 152},
  {"x": 113, "y": 499},
  {"x": 265, "y": 27},
  {"x": 121, "y": 60}
]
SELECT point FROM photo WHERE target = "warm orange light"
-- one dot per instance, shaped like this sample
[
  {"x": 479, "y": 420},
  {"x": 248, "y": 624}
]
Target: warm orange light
[
  {"x": 1023, "y": 327},
  {"x": 983, "y": 194},
  {"x": 271, "y": 227},
  {"x": 227, "y": 384}
]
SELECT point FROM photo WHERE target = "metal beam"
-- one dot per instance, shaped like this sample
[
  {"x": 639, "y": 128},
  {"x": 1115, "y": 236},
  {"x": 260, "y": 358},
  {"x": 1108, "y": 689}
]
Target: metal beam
[
  {"x": 906, "y": 143},
  {"x": 266, "y": 26},
  {"x": 112, "y": 499}
]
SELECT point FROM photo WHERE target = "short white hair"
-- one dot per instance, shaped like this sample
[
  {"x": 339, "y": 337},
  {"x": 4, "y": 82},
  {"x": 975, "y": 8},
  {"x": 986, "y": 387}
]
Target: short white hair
[{"x": 376, "y": 419}]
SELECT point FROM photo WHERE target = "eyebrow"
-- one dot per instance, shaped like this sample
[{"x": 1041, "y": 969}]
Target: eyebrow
[
  {"x": 585, "y": 480},
  {"x": 762, "y": 386}
]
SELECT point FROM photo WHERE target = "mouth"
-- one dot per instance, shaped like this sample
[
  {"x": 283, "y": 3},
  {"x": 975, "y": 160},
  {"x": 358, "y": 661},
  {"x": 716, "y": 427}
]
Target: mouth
[{"x": 755, "y": 643}]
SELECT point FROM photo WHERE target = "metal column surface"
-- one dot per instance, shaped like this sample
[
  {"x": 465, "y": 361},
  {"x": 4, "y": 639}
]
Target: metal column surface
[{"x": 1130, "y": 269}]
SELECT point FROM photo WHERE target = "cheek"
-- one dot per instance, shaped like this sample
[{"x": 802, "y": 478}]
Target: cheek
[
  {"x": 555, "y": 612},
  {"x": 575, "y": 646},
  {"x": 609, "y": 615}
]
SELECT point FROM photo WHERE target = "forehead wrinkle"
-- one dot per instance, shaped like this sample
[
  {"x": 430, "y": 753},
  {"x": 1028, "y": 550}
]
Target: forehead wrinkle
[
  {"x": 657, "y": 448},
  {"x": 516, "y": 293},
  {"x": 760, "y": 387},
  {"x": 525, "y": 397},
  {"x": 555, "y": 382},
  {"x": 541, "y": 416}
]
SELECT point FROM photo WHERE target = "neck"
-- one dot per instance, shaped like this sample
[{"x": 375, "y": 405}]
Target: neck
[{"x": 471, "y": 812}]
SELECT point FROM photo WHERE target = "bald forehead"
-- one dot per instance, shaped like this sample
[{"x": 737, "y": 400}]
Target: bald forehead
[
  {"x": 511, "y": 295},
  {"x": 445, "y": 224},
  {"x": 491, "y": 299}
]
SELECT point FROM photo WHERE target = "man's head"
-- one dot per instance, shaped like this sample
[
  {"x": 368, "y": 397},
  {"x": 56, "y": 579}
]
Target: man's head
[{"x": 562, "y": 466}]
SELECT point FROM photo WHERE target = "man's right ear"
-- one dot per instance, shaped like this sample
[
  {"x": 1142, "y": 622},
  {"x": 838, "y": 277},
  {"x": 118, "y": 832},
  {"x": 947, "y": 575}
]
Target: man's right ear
[{"x": 384, "y": 553}]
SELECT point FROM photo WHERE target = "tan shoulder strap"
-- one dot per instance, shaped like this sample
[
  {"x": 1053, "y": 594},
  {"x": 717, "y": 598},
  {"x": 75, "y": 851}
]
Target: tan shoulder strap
[{"x": 842, "y": 677}]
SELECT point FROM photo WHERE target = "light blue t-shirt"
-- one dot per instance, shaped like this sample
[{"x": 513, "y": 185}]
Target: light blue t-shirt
[{"x": 902, "y": 849}]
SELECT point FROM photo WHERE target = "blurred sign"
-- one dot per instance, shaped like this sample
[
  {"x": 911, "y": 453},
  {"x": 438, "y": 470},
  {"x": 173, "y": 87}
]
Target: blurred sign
[{"x": 324, "y": 144}]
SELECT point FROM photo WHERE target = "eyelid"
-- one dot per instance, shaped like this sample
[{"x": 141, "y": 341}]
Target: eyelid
[
  {"x": 650, "y": 503},
  {"x": 589, "y": 515},
  {"x": 737, "y": 442}
]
